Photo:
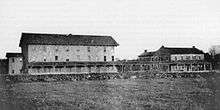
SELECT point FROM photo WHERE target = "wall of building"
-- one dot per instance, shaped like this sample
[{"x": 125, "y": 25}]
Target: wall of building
[
  {"x": 175, "y": 57},
  {"x": 15, "y": 65},
  {"x": 47, "y": 53}
]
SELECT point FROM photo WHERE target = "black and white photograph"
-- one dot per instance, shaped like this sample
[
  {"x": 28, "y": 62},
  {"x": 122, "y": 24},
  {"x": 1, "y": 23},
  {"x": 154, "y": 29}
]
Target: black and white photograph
[{"x": 109, "y": 55}]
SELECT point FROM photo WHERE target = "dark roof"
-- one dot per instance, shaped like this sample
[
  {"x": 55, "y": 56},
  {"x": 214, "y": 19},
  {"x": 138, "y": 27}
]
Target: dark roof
[
  {"x": 192, "y": 50},
  {"x": 8, "y": 55},
  {"x": 66, "y": 39},
  {"x": 146, "y": 54}
]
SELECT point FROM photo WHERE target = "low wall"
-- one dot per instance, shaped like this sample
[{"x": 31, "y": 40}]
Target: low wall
[{"x": 60, "y": 77}]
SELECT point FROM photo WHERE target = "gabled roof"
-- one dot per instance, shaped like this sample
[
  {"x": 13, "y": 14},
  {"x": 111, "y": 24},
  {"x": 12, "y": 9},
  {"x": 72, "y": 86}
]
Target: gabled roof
[
  {"x": 192, "y": 50},
  {"x": 145, "y": 54},
  {"x": 8, "y": 55},
  {"x": 65, "y": 39}
]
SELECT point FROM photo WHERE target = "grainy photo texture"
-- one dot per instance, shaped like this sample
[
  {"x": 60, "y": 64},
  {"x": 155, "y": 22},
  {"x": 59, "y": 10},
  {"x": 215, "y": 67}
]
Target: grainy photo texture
[{"x": 109, "y": 55}]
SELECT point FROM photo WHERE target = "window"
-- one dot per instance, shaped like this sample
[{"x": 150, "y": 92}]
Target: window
[
  {"x": 77, "y": 50},
  {"x": 104, "y": 49},
  {"x": 13, "y": 71},
  {"x": 56, "y": 58},
  {"x": 45, "y": 60},
  {"x": 67, "y": 50},
  {"x": 181, "y": 57},
  {"x": 175, "y": 58},
  {"x": 113, "y": 58},
  {"x": 199, "y": 58},
  {"x": 88, "y": 49},
  {"x": 104, "y": 58},
  {"x": 13, "y": 60},
  {"x": 67, "y": 59}
]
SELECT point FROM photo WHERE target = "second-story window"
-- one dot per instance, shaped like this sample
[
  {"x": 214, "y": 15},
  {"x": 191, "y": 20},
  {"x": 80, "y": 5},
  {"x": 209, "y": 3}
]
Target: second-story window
[
  {"x": 199, "y": 57},
  {"x": 56, "y": 58},
  {"x": 13, "y": 60},
  {"x": 113, "y": 58},
  {"x": 104, "y": 58},
  {"x": 88, "y": 49},
  {"x": 175, "y": 58}
]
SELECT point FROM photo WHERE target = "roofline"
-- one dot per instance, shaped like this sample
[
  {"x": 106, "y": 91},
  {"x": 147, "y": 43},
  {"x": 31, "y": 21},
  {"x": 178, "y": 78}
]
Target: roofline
[
  {"x": 20, "y": 45},
  {"x": 8, "y": 54}
]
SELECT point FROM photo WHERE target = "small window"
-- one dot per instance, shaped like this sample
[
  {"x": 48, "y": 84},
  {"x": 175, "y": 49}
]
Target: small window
[
  {"x": 56, "y": 58},
  {"x": 113, "y": 58},
  {"x": 104, "y": 49},
  {"x": 67, "y": 50},
  {"x": 104, "y": 58},
  {"x": 13, "y": 71},
  {"x": 181, "y": 57},
  {"x": 45, "y": 60},
  {"x": 175, "y": 58},
  {"x": 77, "y": 50},
  {"x": 88, "y": 48},
  {"x": 67, "y": 59},
  {"x": 13, "y": 60}
]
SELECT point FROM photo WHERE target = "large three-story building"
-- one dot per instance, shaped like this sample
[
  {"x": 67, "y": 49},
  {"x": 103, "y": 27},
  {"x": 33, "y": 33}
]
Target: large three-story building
[{"x": 60, "y": 53}]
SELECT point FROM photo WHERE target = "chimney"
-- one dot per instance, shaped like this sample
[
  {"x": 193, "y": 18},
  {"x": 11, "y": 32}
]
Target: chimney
[{"x": 145, "y": 50}]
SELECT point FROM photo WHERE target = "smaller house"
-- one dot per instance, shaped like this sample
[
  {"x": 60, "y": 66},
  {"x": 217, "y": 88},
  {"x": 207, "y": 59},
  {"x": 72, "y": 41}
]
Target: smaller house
[
  {"x": 15, "y": 63},
  {"x": 172, "y": 59}
]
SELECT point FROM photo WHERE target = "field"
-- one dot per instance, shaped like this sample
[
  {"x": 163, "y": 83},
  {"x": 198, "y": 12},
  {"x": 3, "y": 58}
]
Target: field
[{"x": 115, "y": 94}]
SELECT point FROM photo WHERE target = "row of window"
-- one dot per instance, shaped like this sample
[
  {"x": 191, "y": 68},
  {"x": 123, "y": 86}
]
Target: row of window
[
  {"x": 188, "y": 58},
  {"x": 78, "y": 57},
  {"x": 67, "y": 50},
  {"x": 13, "y": 60}
]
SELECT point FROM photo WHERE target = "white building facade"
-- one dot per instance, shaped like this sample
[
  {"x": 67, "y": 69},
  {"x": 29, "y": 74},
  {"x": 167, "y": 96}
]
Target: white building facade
[{"x": 67, "y": 54}]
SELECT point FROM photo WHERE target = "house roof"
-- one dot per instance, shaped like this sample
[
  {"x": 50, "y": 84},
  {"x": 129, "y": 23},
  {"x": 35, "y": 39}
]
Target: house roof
[
  {"x": 66, "y": 39},
  {"x": 8, "y": 55},
  {"x": 146, "y": 54},
  {"x": 192, "y": 50}
]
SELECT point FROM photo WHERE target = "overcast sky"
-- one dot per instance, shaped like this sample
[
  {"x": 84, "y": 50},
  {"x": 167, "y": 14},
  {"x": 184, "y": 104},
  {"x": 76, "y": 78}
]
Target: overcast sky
[{"x": 135, "y": 24}]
